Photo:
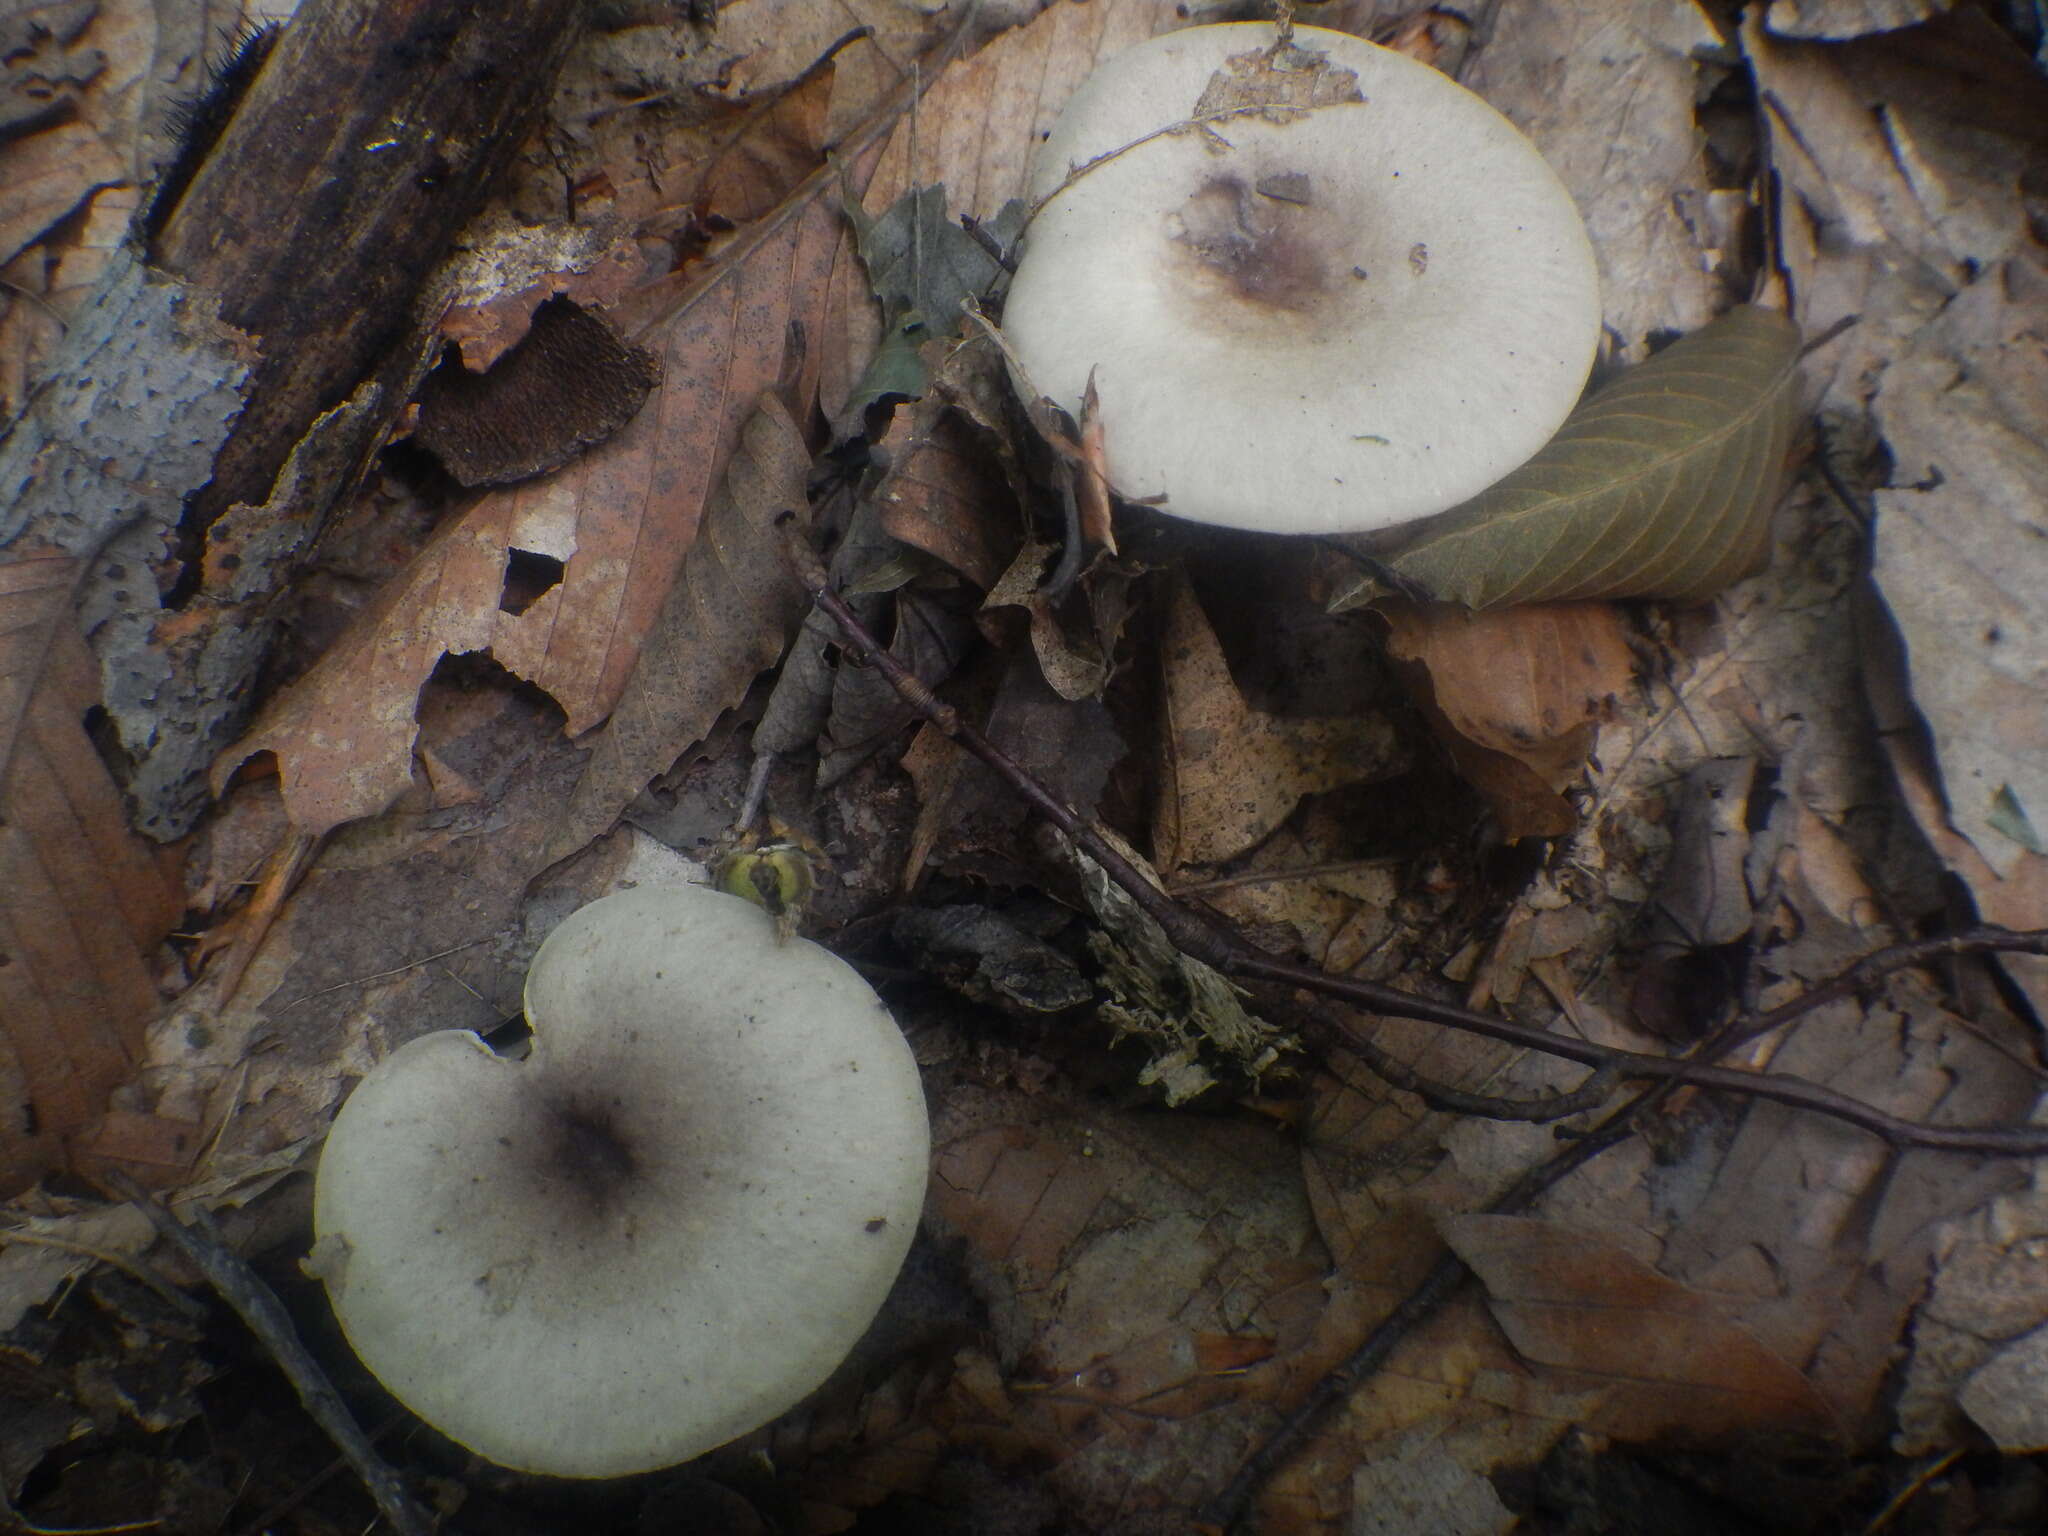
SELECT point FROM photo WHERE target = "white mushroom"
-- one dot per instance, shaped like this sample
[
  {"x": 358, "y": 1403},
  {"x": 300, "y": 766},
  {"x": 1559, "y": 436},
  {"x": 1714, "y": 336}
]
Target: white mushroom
[
  {"x": 660, "y": 1230},
  {"x": 1334, "y": 316}
]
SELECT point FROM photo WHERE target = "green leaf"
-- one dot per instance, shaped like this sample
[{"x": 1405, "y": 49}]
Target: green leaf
[{"x": 1661, "y": 485}]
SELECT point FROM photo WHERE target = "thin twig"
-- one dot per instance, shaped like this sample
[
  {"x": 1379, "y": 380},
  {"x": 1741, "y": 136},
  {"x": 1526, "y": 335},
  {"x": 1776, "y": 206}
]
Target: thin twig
[
  {"x": 257, "y": 1305},
  {"x": 396, "y": 970},
  {"x": 996, "y": 250},
  {"x": 1201, "y": 938},
  {"x": 1871, "y": 969},
  {"x": 1591, "y": 1094}
]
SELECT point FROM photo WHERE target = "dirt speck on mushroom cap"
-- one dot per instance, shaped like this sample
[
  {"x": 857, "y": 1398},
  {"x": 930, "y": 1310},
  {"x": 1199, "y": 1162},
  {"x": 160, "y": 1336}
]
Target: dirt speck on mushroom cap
[
  {"x": 1325, "y": 319},
  {"x": 659, "y": 1231}
]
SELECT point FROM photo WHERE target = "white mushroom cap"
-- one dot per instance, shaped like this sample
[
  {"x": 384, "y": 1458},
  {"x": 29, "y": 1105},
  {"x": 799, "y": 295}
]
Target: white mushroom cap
[
  {"x": 1350, "y": 319},
  {"x": 660, "y": 1230}
]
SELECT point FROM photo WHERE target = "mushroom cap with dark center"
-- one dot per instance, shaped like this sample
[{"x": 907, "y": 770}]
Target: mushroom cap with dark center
[
  {"x": 1327, "y": 318},
  {"x": 660, "y": 1230}
]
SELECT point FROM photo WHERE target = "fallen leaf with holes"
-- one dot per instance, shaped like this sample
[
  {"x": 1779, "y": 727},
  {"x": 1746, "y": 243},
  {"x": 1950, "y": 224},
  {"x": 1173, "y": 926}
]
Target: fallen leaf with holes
[
  {"x": 1659, "y": 1357},
  {"x": 83, "y": 901},
  {"x": 1660, "y": 485},
  {"x": 1513, "y": 695},
  {"x": 1229, "y": 774},
  {"x": 614, "y": 524}
]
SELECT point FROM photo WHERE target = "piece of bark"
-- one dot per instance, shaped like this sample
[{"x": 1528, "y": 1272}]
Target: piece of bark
[
  {"x": 569, "y": 384},
  {"x": 282, "y": 291},
  {"x": 363, "y": 147}
]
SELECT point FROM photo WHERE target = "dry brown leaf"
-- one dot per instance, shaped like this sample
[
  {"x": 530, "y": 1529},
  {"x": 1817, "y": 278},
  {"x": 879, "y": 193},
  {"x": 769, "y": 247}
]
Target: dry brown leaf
[
  {"x": 1662, "y": 1358},
  {"x": 500, "y": 292},
  {"x": 1230, "y": 774},
  {"x": 727, "y": 618},
  {"x": 765, "y": 43},
  {"x": 1514, "y": 694},
  {"x": 617, "y": 521},
  {"x": 1599, "y": 85},
  {"x": 1847, "y": 18},
  {"x": 48, "y": 175},
  {"x": 83, "y": 902},
  {"x": 940, "y": 495},
  {"x": 1075, "y": 662},
  {"x": 769, "y": 153},
  {"x": 1958, "y": 557}
]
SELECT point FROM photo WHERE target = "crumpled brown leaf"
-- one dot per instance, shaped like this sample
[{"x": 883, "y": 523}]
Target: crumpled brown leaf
[{"x": 1514, "y": 696}]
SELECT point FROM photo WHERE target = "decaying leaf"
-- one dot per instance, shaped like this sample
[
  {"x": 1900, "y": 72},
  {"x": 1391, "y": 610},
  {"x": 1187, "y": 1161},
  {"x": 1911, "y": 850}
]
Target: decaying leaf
[
  {"x": 1959, "y": 557},
  {"x": 83, "y": 902},
  {"x": 1661, "y": 485},
  {"x": 962, "y": 806},
  {"x": 1703, "y": 902},
  {"x": 1661, "y": 1358},
  {"x": 1230, "y": 774},
  {"x": 1077, "y": 665},
  {"x": 1513, "y": 695},
  {"x": 727, "y": 618},
  {"x": 1978, "y": 1333},
  {"x": 1145, "y": 1270},
  {"x": 1847, "y": 18},
  {"x": 918, "y": 257},
  {"x": 932, "y": 633},
  {"x": 982, "y": 954}
]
